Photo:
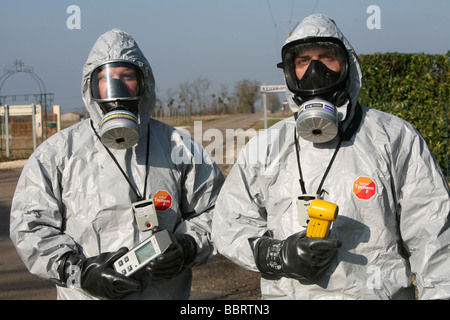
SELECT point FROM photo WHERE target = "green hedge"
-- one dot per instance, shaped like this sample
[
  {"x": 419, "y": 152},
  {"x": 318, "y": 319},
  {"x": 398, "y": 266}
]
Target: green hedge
[{"x": 414, "y": 87}]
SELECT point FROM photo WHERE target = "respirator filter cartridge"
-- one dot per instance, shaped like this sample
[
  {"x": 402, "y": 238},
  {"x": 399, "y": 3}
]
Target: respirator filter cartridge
[
  {"x": 119, "y": 130},
  {"x": 317, "y": 121}
]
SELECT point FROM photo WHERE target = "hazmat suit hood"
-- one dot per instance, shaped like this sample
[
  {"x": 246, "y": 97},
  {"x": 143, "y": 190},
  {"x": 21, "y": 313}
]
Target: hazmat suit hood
[
  {"x": 320, "y": 25},
  {"x": 118, "y": 45}
]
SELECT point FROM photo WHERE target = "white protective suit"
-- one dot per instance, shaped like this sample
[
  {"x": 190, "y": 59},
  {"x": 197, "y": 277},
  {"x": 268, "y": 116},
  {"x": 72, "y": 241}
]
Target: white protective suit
[
  {"x": 392, "y": 197},
  {"x": 71, "y": 196}
]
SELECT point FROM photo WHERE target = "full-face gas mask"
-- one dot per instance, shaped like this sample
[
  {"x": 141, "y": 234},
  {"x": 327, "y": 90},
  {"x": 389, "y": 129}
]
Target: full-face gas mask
[
  {"x": 117, "y": 86},
  {"x": 316, "y": 72}
]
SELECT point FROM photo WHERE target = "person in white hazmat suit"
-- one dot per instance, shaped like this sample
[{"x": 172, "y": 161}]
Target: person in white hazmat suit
[
  {"x": 392, "y": 197},
  {"x": 72, "y": 216}
]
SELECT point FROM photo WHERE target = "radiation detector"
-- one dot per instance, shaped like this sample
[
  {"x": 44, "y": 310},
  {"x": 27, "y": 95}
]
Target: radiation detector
[
  {"x": 137, "y": 258},
  {"x": 145, "y": 215}
]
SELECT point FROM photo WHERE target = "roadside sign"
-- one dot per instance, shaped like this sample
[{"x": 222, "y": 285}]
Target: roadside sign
[{"x": 273, "y": 88}]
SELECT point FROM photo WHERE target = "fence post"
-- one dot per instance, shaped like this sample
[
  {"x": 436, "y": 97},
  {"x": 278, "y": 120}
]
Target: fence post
[
  {"x": 7, "y": 129},
  {"x": 33, "y": 119}
]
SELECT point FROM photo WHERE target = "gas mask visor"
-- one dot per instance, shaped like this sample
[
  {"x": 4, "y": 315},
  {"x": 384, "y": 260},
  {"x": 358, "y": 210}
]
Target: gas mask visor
[
  {"x": 117, "y": 87},
  {"x": 316, "y": 71},
  {"x": 315, "y": 68}
]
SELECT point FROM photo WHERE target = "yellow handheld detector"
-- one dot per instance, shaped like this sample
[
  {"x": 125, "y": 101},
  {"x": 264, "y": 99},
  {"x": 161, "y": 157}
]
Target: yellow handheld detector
[{"x": 321, "y": 213}]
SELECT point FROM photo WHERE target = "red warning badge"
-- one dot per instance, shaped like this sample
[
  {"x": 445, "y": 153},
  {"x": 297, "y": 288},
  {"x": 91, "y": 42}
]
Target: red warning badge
[
  {"x": 364, "y": 188},
  {"x": 162, "y": 200}
]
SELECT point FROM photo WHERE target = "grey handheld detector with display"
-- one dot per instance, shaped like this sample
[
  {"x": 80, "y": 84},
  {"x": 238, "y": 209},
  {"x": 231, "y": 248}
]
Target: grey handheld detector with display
[{"x": 141, "y": 255}]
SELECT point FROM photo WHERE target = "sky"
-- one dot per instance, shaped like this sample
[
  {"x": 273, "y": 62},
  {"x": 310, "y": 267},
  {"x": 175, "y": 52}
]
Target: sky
[{"x": 224, "y": 41}]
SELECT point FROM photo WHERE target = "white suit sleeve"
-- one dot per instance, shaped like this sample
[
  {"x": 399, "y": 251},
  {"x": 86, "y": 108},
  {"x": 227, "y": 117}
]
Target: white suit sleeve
[
  {"x": 424, "y": 208},
  {"x": 36, "y": 227}
]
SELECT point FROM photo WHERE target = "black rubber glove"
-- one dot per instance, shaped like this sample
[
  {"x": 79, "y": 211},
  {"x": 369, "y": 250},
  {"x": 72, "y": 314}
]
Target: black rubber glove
[
  {"x": 181, "y": 252},
  {"x": 96, "y": 275},
  {"x": 298, "y": 257}
]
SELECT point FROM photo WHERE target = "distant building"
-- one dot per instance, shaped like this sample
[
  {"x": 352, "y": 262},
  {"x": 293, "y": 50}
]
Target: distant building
[{"x": 73, "y": 116}]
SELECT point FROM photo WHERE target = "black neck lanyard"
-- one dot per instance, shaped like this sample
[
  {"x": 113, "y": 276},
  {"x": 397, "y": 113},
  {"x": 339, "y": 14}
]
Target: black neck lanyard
[
  {"x": 135, "y": 190},
  {"x": 346, "y": 135},
  {"x": 301, "y": 180}
]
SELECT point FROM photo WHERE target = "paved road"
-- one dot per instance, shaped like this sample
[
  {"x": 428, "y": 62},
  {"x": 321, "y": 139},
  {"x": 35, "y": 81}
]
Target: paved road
[
  {"x": 232, "y": 131},
  {"x": 218, "y": 279}
]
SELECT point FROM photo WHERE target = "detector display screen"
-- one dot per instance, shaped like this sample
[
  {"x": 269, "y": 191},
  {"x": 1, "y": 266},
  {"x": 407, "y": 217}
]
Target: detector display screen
[{"x": 145, "y": 252}]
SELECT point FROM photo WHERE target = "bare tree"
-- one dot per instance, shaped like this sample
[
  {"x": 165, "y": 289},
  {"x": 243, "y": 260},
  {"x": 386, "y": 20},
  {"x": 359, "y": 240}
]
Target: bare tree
[
  {"x": 223, "y": 96},
  {"x": 195, "y": 93},
  {"x": 186, "y": 96},
  {"x": 246, "y": 94},
  {"x": 170, "y": 93},
  {"x": 200, "y": 88}
]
